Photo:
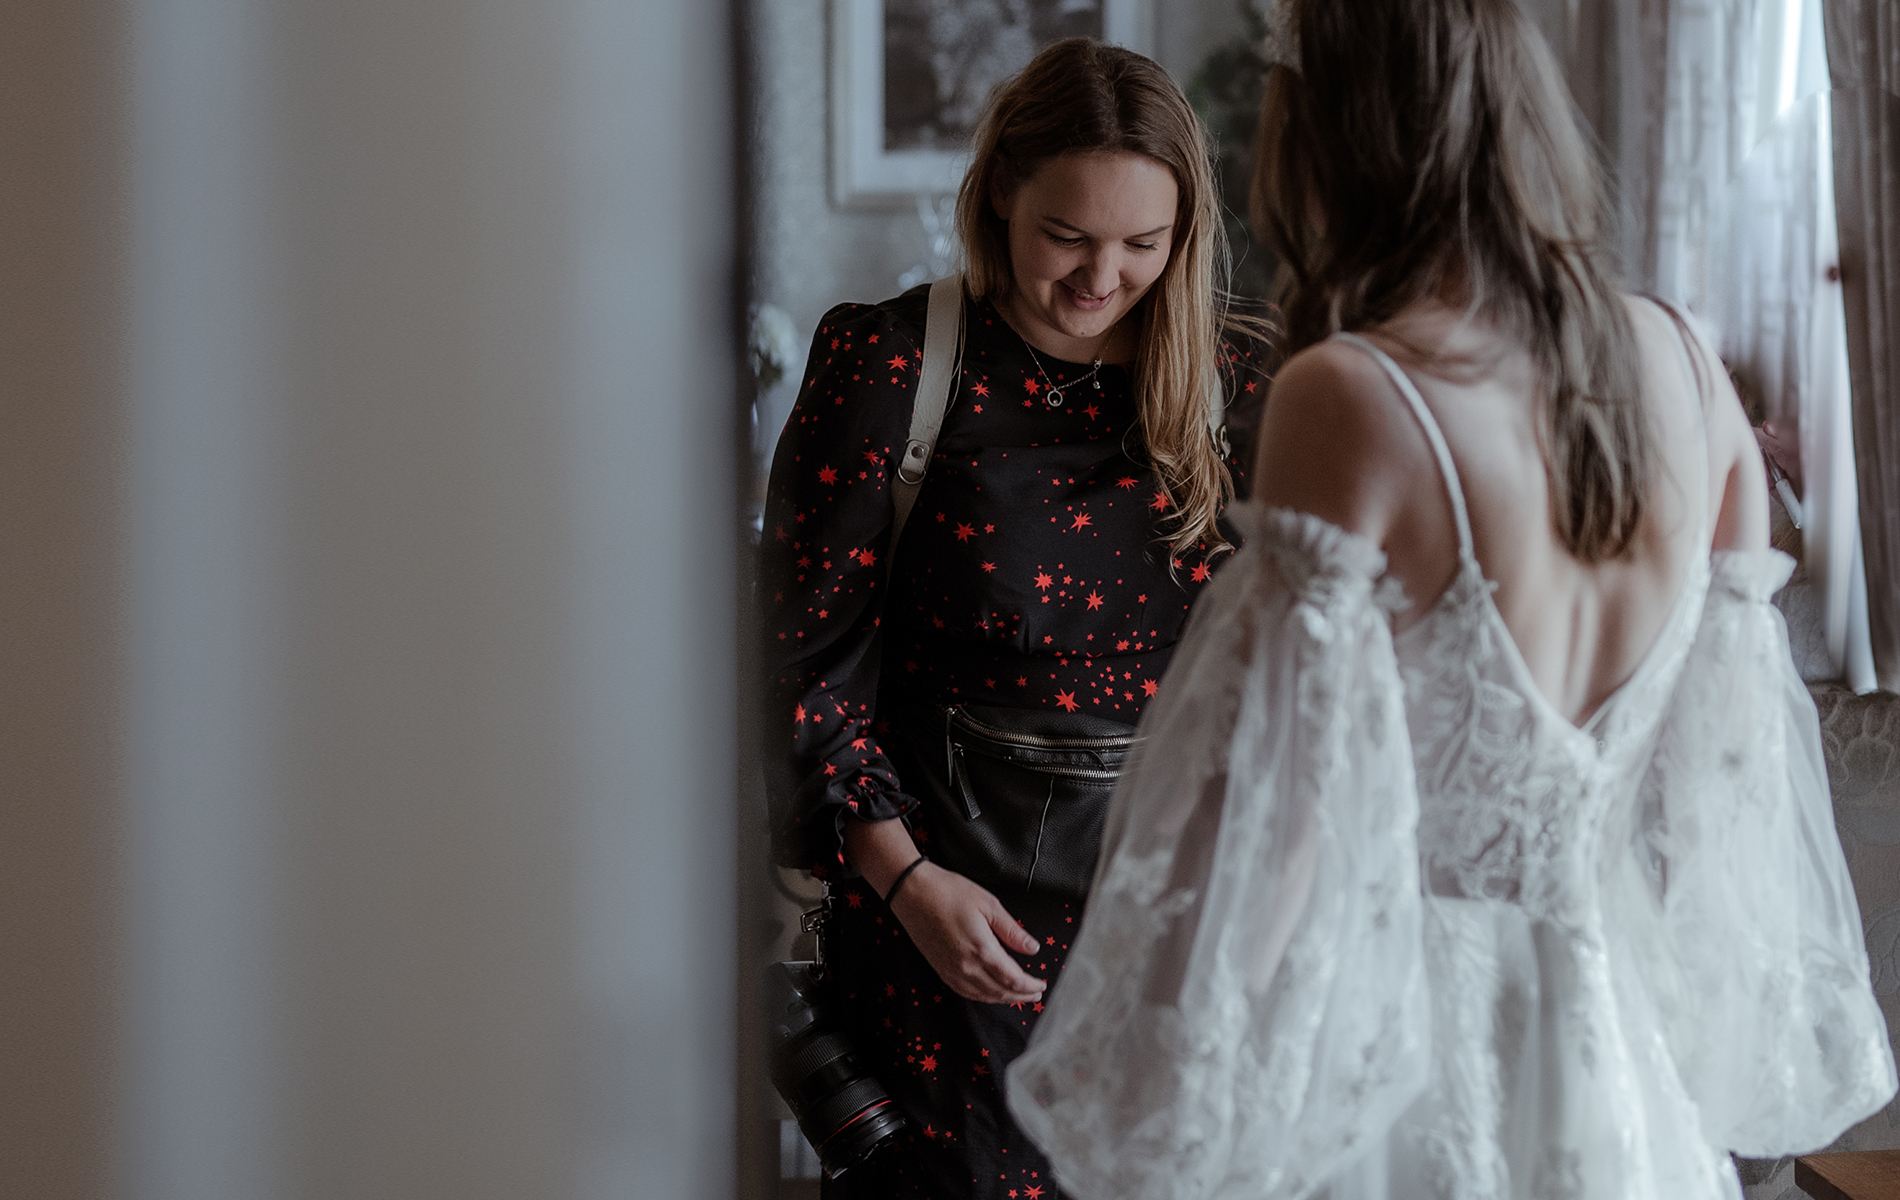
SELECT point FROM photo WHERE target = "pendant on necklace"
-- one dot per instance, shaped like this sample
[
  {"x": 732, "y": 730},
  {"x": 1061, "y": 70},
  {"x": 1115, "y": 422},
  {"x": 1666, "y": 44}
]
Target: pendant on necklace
[{"x": 1054, "y": 397}]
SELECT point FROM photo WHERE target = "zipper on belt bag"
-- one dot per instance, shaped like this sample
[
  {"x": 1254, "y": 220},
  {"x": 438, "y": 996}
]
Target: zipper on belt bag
[{"x": 958, "y": 771}]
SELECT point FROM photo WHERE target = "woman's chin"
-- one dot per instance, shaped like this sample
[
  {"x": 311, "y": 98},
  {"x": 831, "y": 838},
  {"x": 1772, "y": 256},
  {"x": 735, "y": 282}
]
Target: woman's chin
[
  {"x": 1079, "y": 322},
  {"x": 1056, "y": 313}
]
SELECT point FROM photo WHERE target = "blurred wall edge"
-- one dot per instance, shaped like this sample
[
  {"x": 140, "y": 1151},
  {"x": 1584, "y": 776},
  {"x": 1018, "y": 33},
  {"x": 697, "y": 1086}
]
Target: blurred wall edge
[
  {"x": 61, "y": 666},
  {"x": 367, "y": 579}
]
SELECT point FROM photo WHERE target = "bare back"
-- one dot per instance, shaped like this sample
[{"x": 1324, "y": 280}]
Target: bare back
[{"x": 1340, "y": 441}]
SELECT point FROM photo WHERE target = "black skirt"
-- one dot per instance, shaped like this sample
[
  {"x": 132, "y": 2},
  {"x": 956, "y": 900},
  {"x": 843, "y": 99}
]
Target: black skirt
[{"x": 1039, "y": 785}]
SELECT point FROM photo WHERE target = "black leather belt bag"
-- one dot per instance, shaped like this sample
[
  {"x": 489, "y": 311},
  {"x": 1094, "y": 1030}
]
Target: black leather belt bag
[{"x": 1013, "y": 798}]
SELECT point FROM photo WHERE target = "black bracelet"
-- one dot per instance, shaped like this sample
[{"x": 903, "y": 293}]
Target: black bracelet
[{"x": 891, "y": 895}]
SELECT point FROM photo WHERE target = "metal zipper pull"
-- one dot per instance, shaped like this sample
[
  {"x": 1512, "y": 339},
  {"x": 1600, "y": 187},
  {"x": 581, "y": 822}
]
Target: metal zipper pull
[
  {"x": 953, "y": 767},
  {"x": 960, "y": 780}
]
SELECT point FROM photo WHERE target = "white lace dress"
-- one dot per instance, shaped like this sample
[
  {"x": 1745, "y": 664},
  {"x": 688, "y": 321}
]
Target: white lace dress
[{"x": 1373, "y": 919}]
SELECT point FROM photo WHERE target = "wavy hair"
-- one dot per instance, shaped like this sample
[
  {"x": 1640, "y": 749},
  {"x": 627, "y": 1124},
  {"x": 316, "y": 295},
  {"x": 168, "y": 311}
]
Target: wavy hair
[
  {"x": 1080, "y": 95},
  {"x": 1443, "y": 158}
]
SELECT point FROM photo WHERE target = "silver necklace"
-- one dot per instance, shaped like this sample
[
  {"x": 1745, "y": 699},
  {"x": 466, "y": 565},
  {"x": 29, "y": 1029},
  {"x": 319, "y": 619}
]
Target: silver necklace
[{"x": 1055, "y": 393}]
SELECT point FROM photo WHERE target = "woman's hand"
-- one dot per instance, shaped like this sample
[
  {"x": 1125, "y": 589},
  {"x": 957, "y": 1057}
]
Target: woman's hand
[
  {"x": 962, "y": 929},
  {"x": 958, "y": 925}
]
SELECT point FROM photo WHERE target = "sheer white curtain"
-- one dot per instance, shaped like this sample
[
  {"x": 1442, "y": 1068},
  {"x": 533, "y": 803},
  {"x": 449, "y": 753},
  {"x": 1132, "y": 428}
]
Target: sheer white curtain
[
  {"x": 1715, "y": 120},
  {"x": 1719, "y": 123}
]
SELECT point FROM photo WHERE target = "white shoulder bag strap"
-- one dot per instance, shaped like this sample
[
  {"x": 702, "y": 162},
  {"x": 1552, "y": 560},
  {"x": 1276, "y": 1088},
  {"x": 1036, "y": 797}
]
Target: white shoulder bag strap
[{"x": 943, "y": 350}]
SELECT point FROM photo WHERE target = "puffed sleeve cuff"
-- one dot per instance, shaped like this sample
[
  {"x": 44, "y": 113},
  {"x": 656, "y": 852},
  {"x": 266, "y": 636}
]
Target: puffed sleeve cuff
[
  {"x": 1749, "y": 574},
  {"x": 816, "y": 841},
  {"x": 1756, "y": 958}
]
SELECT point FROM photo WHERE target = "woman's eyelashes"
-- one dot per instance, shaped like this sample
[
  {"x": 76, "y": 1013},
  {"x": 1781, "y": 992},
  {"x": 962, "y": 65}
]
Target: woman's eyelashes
[{"x": 1060, "y": 240}]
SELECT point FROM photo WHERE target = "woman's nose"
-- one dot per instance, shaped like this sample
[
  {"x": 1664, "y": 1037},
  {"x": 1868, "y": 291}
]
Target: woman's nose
[{"x": 1099, "y": 274}]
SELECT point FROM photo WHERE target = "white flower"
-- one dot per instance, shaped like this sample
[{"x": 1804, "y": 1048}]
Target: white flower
[{"x": 771, "y": 344}]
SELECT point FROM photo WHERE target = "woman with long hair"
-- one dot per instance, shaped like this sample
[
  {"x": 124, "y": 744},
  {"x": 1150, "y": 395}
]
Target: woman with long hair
[
  {"x": 1480, "y": 843},
  {"x": 947, "y": 714}
]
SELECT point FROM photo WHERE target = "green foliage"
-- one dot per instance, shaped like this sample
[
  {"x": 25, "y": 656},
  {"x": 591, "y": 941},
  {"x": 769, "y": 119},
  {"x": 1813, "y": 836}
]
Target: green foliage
[{"x": 1225, "y": 91}]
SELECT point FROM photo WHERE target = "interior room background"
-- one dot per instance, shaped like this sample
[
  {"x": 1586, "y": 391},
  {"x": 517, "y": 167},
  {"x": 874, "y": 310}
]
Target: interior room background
[{"x": 374, "y": 457}]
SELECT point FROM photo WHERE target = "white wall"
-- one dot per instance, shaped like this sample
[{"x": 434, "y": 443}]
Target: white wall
[{"x": 418, "y": 864}]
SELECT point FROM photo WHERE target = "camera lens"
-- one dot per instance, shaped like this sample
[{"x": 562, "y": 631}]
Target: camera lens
[{"x": 841, "y": 1108}]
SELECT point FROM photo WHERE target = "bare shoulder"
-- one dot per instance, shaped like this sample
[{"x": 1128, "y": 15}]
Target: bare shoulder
[
  {"x": 1337, "y": 440},
  {"x": 1689, "y": 387}
]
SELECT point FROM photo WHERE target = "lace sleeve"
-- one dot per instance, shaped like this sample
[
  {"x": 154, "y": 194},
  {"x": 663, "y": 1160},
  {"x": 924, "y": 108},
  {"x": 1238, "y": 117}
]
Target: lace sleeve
[
  {"x": 1755, "y": 955},
  {"x": 1246, "y": 1004}
]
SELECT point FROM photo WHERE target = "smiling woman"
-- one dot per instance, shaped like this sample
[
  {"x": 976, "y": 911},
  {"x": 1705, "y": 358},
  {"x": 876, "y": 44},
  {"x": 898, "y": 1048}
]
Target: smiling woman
[
  {"x": 1067, "y": 182},
  {"x": 972, "y": 694},
  {"x": 1089, "y": 233}
]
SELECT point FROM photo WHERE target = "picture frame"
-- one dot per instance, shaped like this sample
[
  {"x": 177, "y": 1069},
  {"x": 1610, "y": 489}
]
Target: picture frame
[{"x": 882, "y": 158}]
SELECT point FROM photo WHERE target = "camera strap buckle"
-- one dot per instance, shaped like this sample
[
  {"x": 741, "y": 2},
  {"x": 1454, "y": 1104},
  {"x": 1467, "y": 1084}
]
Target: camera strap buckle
[{"x": 813, "y": 922}]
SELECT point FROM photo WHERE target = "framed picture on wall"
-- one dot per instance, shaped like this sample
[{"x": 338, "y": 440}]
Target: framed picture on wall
[{"x": 909, "y": 79}]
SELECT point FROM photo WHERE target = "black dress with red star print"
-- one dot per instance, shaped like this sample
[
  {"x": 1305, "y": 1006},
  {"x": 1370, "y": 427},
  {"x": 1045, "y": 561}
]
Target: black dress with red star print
[{"x": 1034, "y": 573}]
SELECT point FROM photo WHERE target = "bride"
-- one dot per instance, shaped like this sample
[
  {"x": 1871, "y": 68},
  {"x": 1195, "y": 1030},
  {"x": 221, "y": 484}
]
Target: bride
[{"x": 1479, "y": 843}]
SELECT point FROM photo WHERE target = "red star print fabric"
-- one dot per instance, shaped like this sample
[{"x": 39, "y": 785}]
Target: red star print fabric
[
  {"x": 1034, "y": 573},
  {"x": 1034, "y": 570},
  {"x": 940, "y": 1058}
]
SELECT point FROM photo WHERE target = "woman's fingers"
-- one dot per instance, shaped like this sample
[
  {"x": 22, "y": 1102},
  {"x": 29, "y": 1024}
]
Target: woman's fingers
[
  {"x": 989, "y": 984},
  {"x": 1006, "y": 929},
  {"x": 985, "y": 988},
  {"x": 964, "y": 932},
  {"x": 990, "y": 975},
  {"x": 1002, "y": 931}
]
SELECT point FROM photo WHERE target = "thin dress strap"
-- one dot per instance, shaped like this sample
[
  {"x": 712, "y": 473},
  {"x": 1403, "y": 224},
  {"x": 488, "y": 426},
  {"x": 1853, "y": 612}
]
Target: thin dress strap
[
  {"x": 1693, "y": 350},
  {"x": 1433, "y": 434}
]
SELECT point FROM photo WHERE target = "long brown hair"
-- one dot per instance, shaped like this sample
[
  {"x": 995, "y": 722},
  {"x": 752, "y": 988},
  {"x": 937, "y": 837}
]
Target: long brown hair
[
  {"x": 1438, "y": 146},
  {"x": 1081, "y": 95}
]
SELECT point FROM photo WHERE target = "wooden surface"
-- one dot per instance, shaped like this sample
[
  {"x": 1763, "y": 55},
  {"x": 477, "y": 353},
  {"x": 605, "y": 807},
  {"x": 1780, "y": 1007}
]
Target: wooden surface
[{"x": 1865, "y": 1175}]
